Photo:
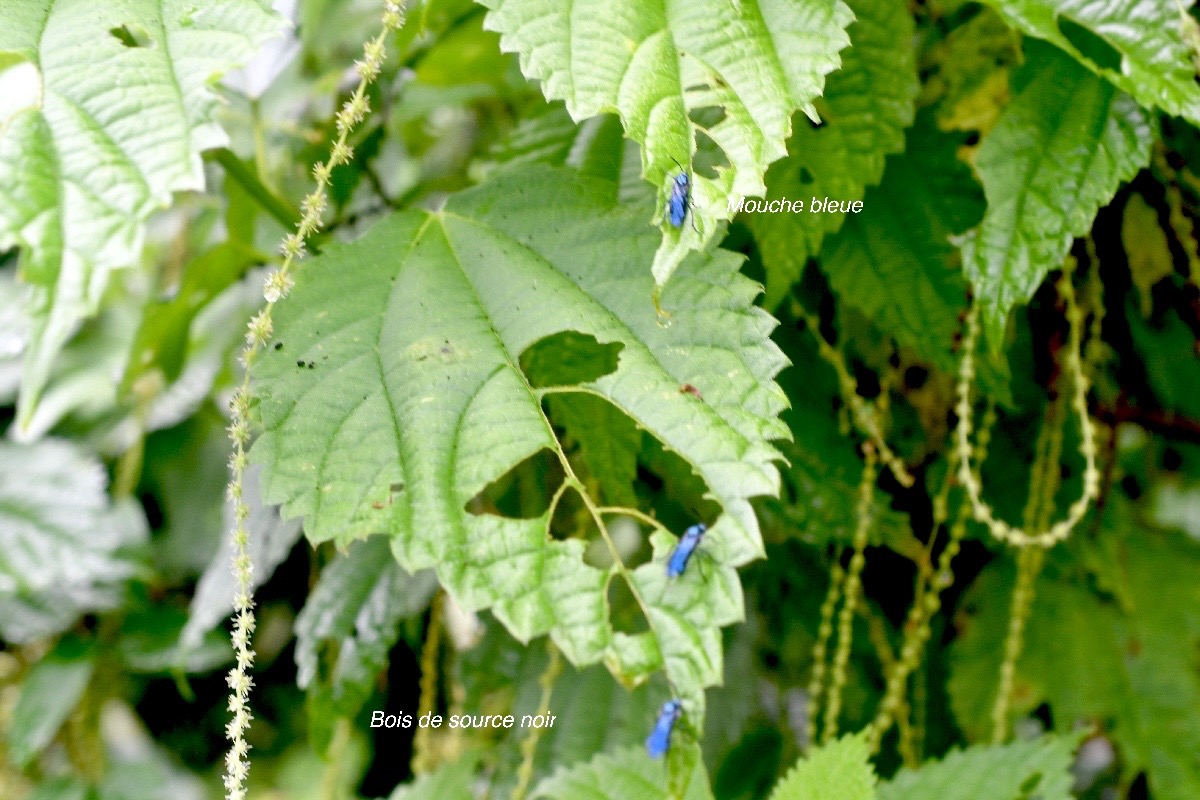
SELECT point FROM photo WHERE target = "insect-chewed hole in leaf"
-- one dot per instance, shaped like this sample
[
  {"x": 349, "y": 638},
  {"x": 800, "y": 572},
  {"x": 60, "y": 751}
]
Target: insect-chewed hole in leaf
[
  {"x": 1094, "y": 48},
  {"x": 626, "y": 537},
  {"x": 132, "y": 36},
  {"x": 681, "y": 493},
  {"x": 568, "y": 358},
  {"x": 524, "y": 492},
  {"x": 709, "y": 155},
  {"x": 623, "y": 609}
]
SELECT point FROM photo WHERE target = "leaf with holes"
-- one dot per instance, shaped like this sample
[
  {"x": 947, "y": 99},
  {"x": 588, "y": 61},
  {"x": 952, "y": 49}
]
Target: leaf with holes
[
  {"x": 867, "y": 105},
  {"x": 394, "y": 395},
  {"x": 731, "y": 72},
  {"x": 65, "y": 548},
  {"x": 1059, "y": 152},
  {"x": 1140, "y": 47},
  {"x": 111, "y": 108}
]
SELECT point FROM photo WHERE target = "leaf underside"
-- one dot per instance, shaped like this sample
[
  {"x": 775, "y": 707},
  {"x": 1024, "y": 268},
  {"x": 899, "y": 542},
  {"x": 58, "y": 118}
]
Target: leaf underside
[
  {"x": 1137, "y": 46},
  {"x": 393, "y": 395},
  {"x": 1057, "y": 154},
  {"x": 118, "y": 108},
  {"x": 659, "y": 65},
  {"x": 64, "y": 546}
]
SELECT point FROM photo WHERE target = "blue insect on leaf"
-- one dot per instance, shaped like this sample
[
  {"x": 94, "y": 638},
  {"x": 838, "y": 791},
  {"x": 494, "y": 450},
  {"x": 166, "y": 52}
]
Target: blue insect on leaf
[
  {"x": 659, "y": 740},
  {"x": 677, "y": 203},
  {"x": 682, "y": 554}
]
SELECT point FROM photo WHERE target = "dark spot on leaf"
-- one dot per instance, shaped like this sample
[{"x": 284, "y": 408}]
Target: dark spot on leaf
[
  {"x": 300, "y": 363},
  {"x": 687, "y": 388},
  {"x": 131, "y": 36},
  {"x": 1030, "y": 785},
  {"x": 805, "y": 175},
  {"x": 569, "y": 358},
  {"x": 279, "y": 345},
  {"x": 1134, "y": 647},
  {"x": 396, "y": 487},
  {"x": 1094, "y": 48},
  {"x": 971, "y": 140}
]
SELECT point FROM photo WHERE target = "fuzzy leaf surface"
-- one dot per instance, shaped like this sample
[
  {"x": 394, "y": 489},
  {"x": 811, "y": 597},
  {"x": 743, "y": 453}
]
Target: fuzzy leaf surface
[
  {"x": 1057, "y": 154},
  {"x": 65, "y": 548},
  {"x": 624, "y": 775},
  {"x": 1032, "y": 768},
  {"x": 1139, "y": 47},
  {"x": 657, "y": 63},
  {"x": 113, "y": 107},
  {"x": 866, "y": 107},
  {"x": 840, "y": 770},
  {"x": 895, "y": 263},
  {"x": 393, "y": 397}
]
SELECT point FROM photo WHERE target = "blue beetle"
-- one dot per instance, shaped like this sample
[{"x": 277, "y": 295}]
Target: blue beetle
[
  {"x": 659, "y": 740},
  {"x": 678, "y": 560}
]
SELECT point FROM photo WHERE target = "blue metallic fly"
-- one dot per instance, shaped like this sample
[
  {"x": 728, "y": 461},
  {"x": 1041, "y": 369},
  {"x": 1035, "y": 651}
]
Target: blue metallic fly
[
  {"x": 677, "y": 203},
  {"x": 659, "y": 740},
  {"x": 681, "y": 198},
  {"x": 683, "y": 551}
]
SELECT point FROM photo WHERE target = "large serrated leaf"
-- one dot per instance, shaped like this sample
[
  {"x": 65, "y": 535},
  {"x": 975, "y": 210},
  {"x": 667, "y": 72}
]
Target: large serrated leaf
[
  {"x": 1058, "y": 153},
  {"x": 624, "y": 775},
  {"x": 1126, "y": 661},
  {"x": 659, "y": 64},
  {"x": 1139, "y": 46},
  {"x": 393, "y": 396},
  {"x": 895, "y": 262},
  {"x": 840, "y": 770},
  {"x": 117, "y": 106},
  {"x": 1035, "y": 768},
  {"x": 64, "y": 547},
  {"x": 866, "y": 107}
]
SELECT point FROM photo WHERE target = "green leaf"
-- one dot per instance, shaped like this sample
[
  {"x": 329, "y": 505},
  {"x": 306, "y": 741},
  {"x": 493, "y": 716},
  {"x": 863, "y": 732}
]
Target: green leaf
[
  {"x": 595, "y": 147},
  {"x": 118, "y": 108},
  {"x": 1057, "y": 154},
  {"x": 1146, "y": 249},
  {"x": 1038, "y": 768},
  {"x": 64, "y": 547},
  {"x": 49, "y": 693},
  {"x": 451, "y": 781},
  {"x": 840, "y": 770},
  {"x": 1139, "y": 47},
  {"x": 895, "y": 263},
  {"x": 866, "y": 107},
  {"x": 394, "y": 399},
  {"x": 660, "y": 65},
  {"x": 1125, "y": 662},
  {"x": 354, "y": 614},
  {"x": 624, "y": 775}
]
